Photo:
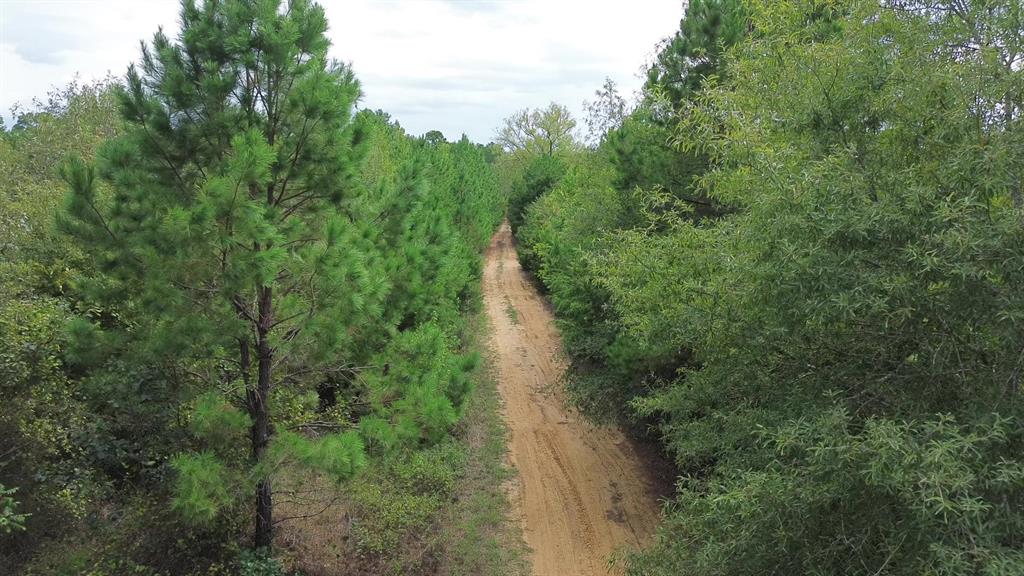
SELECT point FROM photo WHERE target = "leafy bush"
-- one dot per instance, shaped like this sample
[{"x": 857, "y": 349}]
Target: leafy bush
[
  {"x": 542, "y": 173},
  {"x": 400, "y": 498},
  {"x": 10, "y": 519},
  {"x": 258, "y": 563}
]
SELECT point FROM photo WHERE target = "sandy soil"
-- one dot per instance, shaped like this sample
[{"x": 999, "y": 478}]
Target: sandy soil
[{"x": 582, "y": 491}]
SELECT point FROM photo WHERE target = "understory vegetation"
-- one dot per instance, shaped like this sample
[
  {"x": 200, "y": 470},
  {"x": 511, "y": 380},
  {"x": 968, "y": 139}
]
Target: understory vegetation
[
  {"x": 227, "y": 298},
  {"x": 797, "y": 262}
]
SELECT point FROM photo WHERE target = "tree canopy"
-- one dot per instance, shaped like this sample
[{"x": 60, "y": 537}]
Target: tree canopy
[
  {"x": 802, "y": 278},
  {"x": 539, "y": 131}
]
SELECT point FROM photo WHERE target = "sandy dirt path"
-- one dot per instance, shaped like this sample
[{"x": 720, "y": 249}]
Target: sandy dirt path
[{"x": 581, "y": 491}]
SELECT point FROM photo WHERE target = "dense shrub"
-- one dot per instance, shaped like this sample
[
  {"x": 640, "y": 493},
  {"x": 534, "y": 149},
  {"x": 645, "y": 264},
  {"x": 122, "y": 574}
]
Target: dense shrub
[
  {"x": 400, "y": 498},
  {"x": 832, "y": 355}
]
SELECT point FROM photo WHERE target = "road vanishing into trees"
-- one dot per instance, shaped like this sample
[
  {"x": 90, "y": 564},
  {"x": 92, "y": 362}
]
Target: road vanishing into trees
[{"x": 582, "y": 492}]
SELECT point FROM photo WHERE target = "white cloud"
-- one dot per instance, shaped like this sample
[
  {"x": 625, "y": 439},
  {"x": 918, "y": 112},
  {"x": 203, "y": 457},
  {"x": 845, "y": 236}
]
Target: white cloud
[{"x": 458, "y": 66}]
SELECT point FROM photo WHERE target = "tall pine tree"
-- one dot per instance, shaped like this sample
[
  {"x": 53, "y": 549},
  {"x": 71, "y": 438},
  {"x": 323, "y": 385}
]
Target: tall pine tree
[
  {"x": 227, "y": 218},
  {"x": 695, "y": 52}
]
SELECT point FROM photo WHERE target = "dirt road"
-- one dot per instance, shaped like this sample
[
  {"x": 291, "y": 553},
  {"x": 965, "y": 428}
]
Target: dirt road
[{"x": 581, "y": 491}]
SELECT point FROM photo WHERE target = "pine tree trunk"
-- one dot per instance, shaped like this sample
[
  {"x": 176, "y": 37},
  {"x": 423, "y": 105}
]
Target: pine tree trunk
[
  {"x": 264, "y": 516},
  {"x": 261, "y": 431}
]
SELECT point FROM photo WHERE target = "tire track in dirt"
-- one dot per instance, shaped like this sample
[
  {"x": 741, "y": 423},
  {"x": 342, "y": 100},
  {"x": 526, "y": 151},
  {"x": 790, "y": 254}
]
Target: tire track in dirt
[{"x": 582, "y": 491}]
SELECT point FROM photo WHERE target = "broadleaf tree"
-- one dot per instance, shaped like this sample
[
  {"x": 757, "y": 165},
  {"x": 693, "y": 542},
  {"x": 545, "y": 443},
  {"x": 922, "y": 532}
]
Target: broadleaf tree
[
  {"x": 605, "y": 113},
  {"x": 540, "y": 131}
]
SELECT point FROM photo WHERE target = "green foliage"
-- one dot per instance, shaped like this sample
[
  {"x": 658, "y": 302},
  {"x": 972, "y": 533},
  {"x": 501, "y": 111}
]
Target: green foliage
[
  {"x": 914, "y": 496},
  {"x": 540, "y": 175},
  {"x": 423, "y": 508},
  {"x": 564, "y": 239},
  {"x": 224, "y": 230},
  {"x": 10, "y": 519},
  {"x": 605, "y": 113},
  {"x": 122, "y": 320},
  {"x": 339, "y": 456},
  {"x": 441, "y": 203},
  {"x": 399, "y": 499},
  {"x": 695, "y": 53},
  {"x": 202, "y": 487},
  {"x": 545, "y": 131},
  {"x": 261, "y": 240},
  {"x": 642, "y": 155},
  {"x": 147, "y": 539},
  {"x": 831, "y": 349},
  {"x": 216, "y": 421},
  {"x": 258, "y": 563},
  {"x": 45, "y": 416},
  {"x": 420, "y": 390},
  {"x": 538, "y": 145}
]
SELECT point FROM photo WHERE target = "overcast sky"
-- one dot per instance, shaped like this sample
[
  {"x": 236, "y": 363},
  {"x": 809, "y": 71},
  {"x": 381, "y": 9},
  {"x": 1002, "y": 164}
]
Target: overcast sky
[{"x": 459, "y": 66}]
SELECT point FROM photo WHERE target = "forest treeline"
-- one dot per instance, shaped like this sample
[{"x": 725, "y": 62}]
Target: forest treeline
[
  {"x": 797, "y": 262},
  {"x": 221, "y": 282}
]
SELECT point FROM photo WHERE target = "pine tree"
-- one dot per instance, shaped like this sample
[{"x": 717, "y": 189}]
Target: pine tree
[
  {"x": 695, "y": 52},
  {"x": 227, "y": 217}
]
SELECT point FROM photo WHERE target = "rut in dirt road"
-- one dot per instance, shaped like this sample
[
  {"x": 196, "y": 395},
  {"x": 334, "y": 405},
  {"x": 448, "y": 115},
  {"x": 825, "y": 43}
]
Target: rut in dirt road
[{"x": 582, "y": 492}]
